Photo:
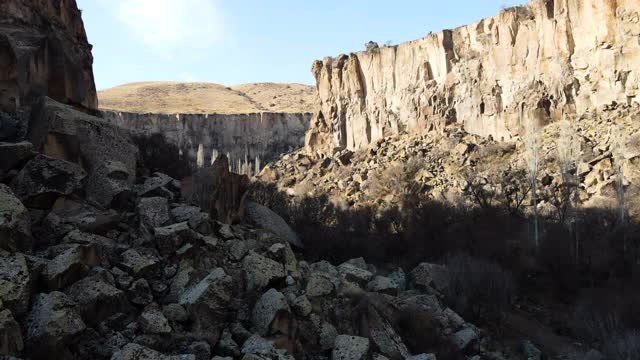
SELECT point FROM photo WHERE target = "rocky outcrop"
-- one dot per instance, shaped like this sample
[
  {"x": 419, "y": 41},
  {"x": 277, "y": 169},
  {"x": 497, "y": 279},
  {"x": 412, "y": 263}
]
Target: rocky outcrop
[
  {"x": 539, "y": 62},
  {"x": 44, "y": 51},
  {"x": 245, "y": 138}
]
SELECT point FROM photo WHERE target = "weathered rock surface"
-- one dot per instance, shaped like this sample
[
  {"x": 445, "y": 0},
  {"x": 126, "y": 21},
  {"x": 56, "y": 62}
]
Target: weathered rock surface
[
  {"x": 536, "y": 62},
  {"x": 44, "y": 52},
  {"x": 10, "y": 335},
  {"x": 264, "y": 217},
  {"x": 15, "y": 225},
  {"x": 264, "y": 136},
  {"x": 15, "y": 282},
  {"x": 350, "y": 348},
  {"x": 51, "y": 325},
  {"x": 45, "y": 179}
]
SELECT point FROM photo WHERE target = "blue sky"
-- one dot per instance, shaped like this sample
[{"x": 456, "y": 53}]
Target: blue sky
[{"x": 239, "y": 41}]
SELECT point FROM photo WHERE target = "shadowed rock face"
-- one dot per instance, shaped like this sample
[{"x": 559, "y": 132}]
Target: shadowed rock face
[
  {"x": 534, "y": 62},
  {"x": 44, "y": 51},
  {"x": 261, "y": 135}
]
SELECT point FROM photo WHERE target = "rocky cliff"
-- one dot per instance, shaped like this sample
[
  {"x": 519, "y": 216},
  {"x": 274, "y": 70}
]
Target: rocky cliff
[
  {"x": 246, "y": 138},
  {"x": 44, "y": 51},
  {"x": 536, "y": 62}
]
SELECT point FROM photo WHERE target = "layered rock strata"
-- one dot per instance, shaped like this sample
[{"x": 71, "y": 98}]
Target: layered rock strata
[{"x": 538, "y": 62}]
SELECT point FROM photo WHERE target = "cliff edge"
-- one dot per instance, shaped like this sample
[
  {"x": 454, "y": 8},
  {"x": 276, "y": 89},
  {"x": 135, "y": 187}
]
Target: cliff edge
[{"x": 538, "y": 62}]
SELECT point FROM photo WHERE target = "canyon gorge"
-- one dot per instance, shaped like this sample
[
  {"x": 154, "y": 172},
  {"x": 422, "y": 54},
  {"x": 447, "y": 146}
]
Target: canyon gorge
[{"x": 470, "y": 195}]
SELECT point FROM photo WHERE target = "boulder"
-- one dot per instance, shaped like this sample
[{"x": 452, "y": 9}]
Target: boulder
[
  {"x": 383, "y": 284},
  {"x": 15, "y": 282},
  {"x": 464, "y": 338},
  {"x": 207, "y": 301},
  {"x": 182, "y": 213},
  {"x": 325, "y": 332},
  {"x": 156, "y": 185},
  {"x": 68, "y": 215},
  {"x": 70, "y": 266},
  {"x": 11, "y": 342},
  {"x": 97, "y": 299},
  {"x": 109, "y": 185},
  {"x": 430, "y": 275},
  {"x": 226, "y": 345},
  {"x": 153, "y": 211},
  {"x": 422, "y": 357},
  {"x": 138, "y": 352},
  {"x": 44, "y": 179},
  {"x": 171, "y": 238},
  {"x": 319, "y": 285},
  {"x": 265, "y": 218},
  {"x": 270, "y": 313},
  {"x": 261, "y": 272},
  {"x": 15, "y": 223},
  {"x": 153, "y": 321},
  {"x": 348, "y": 347},
  {"x": 283, "y": 253},
  {"x": 302, "y": 306},
  {"x": 139, "y": 262},
  {"x": 102, "y": 148},
  {"x": 106, "y": 247},
  {"x": 139, "y": 293},
  {"x": 175, "y": 313},
  {"x": 51, "y": 325},
  {"x": 13, "y": 155},
  {"x": 355, "y": 274}
]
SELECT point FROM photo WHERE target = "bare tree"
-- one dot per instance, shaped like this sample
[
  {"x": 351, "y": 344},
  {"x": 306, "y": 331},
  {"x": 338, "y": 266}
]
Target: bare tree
[
  {"x": 532, "y": 146},
  {"x": 514, "y": 190},
  {"x": 568, "y": 147},
  {"x": 618, "y": 141}
]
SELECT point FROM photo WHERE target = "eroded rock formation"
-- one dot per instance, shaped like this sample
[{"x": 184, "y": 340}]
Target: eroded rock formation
[
  {"x": 243, "y": 137},
  {"x": 536, "y": 62},
  {"x": 44, "y": 51}
]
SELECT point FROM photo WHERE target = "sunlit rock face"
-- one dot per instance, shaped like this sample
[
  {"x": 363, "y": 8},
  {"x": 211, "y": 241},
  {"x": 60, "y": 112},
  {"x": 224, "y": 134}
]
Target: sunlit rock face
[
  {"x": 247, "y": 139},
  {"x": 44, "y": 51},
  {"x": 537, "y": 62}
]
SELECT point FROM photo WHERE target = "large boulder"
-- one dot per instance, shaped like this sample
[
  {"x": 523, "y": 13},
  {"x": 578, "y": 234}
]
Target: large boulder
[
  {"x": 153, "y": 321},
  {"x": 138, "y": 352},
  {"x": 109, "y": 185},
  {"x": 267, "y": 219},
  {"x": 70, "y": 266},
  {"x": 139, "y": 262},
  {"x": 15, "y": 282},
  {"x": 51, "y": 325},
  {"x": 15, "y": 224},
  {"x": 271, "y": 312},
  {"x": 348, "y": 347},
  {"x": 13, "y": 155},
  {"x": 44, "y": 179},
  {"x": 427, "y": 275},
  {"x": 11, "y": 342},
  {"x": 261, "y": 272},
  {"x": 153, "y": 211},
  {"x": 97, "y": 299},
  {"x": 170, "y": 238},
  {"x": 68, "y": 215},
  {"x": 104, "y": 150},
  {"x": 207, "y": 301}
]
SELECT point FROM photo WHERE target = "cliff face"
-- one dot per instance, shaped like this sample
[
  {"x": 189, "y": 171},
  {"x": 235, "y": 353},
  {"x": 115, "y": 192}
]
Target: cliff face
[
  {"x": 244, "y": 137},
  {"x": 44, "y": 51},
  {"x": 536, "y": 62}
]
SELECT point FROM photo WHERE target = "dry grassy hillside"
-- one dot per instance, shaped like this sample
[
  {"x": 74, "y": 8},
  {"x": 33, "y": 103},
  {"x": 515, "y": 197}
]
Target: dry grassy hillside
[{"x": 178, "y": 97}]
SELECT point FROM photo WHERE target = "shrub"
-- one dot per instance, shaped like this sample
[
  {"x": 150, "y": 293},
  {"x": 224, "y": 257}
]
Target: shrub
[{"x": 480, "y": 289}]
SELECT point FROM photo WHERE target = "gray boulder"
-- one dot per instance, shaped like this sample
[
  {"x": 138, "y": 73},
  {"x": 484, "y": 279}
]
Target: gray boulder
[
  {"x": 44, "y": 179},
  {"x": 51, "y": 325},
  {"x": 153, "y": 211},
  {"x": 428, "y": 275},
  {"x": 171, "y": 238},
  {"x": 139, "y": 262},
  {"x": 260, "y": 272},
  {"x": 271, "y": 310},
  {"x": 15, "y": 282},
  {"x": 139, "y": 293},
  {"x": 269, "y": 220},
  {"x": 13, "y": 155},
  {"x": 384, "y": 285},
  {"x": 153, "y": 321},
  {"x": 70, "y": 266},
  {"x": 138, "y": 352},
  {"x": 97, "y": 299},
  {"x": 348, "y": 347},
  {"x": 11, "y": 342},
  {"x": 109, "y": 184},
  {"x": 207, "y": 301},
  {"x": 227, "y": 346},
  {"x": 355, "y": 274},
  {"x": 15, "y": 224},
  {"x": 464, "y": 338},
  {"x": 302, "y": 306},
  {"x": 319, "y": 284}
]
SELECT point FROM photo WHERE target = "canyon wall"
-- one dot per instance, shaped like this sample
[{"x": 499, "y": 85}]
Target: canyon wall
[
  {"x": 247, "y": 139},
  {"x": 538, "y": 62},
  {"x": 44, "y": 51}
]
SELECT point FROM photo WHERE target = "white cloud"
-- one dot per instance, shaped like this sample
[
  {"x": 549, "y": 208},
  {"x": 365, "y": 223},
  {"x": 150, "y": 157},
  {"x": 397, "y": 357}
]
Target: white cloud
[{"x": 172, "y": 26}]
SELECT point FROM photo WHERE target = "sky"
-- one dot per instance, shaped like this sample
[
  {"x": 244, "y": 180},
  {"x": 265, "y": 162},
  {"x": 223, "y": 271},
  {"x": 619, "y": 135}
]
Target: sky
[{"x": 233, "y": 42}]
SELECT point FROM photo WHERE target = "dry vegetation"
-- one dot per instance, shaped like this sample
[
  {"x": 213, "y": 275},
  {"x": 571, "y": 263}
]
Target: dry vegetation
[{"x": 177, "y": 97}]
